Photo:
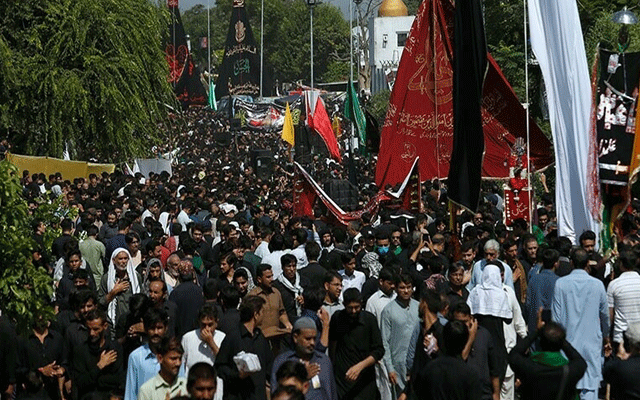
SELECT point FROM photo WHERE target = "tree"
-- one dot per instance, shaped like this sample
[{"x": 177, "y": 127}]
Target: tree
[
  {"x": 286, "y": 37},
  {"x": 290, "y": 55},
  {"x": 86, "y": 73},
  {"x": 25, "y": 291}
]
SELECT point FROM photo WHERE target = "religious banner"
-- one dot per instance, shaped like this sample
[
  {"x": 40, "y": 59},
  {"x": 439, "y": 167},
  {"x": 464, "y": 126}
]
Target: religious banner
[
  {"x": 516, "y": 189},
  {"x": 240, "y": 68},
  {"x": 410, "y": 190},
  {"x": 189, "y": 88},
  {"x": 176, "y": 50},
  {"x": 419, "y": 119},
  {"x": 615, "y": 114}
]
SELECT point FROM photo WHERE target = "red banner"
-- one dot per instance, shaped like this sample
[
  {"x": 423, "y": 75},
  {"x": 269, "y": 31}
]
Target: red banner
[
  {"x": 172, "y": 3},
  {"x": 419, "y": 119}
]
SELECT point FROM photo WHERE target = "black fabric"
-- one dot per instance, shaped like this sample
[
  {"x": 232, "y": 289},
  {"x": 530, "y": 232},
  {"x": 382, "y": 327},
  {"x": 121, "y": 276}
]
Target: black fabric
[
  {"x": 623, "y": 377},
  {"x": 448, "y": 378},
  {"x": 288, "y": 297},
  {"x": 229, "y": 321},
  {"x": 57, "y": 248},
  {"x": 373, "y": 133},
  {"x": 32, "y": 354},
  {"x": 354, "y": 340},
  {"x": 314, "y": 273},
  {"x": 9, "y": 354},
  {"x": 252, "y": 387},
  {"x": 240, "y": 68},
  {"x": 469, "y": 67},
  {"x": 188, "y": 297},
  {"x": 343, "y": 193},
  {"x": 484, "y": 360},
  {"x": 495, "y": 327},
  {"x": 189, "y": 88},
  {"x": 541, "y": 381},
  {"x": 87, "y": 377}
]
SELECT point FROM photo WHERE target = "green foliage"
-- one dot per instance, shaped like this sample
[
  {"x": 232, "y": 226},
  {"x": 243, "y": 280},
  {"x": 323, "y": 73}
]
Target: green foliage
[
  {"x": 378, "y": 104},
  {"x": 88, "y": 72},
  {"x": 604, "y": 32},
  {"x": 25, "y": 290}
]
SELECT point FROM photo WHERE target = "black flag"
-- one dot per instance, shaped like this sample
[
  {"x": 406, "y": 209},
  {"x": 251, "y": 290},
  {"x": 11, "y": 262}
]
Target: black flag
[
  {"x": 470, "y": 65},
  {"x": 183, "y": 74},
  {"x": 240, "y": 69}
]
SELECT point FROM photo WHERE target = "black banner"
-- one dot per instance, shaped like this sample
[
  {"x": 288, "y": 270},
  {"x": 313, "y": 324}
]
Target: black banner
[
  {"x": 176, "y": 50},
  {"x": 615, "y": 114},
  {"x": 189, "y": 89},
  {"x": 469, "y": 67},
  {"x": 240, "y": 69}
]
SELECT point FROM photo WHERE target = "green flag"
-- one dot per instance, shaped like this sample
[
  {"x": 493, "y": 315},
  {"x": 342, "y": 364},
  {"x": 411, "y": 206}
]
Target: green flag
[
  {"x": 212, "y": 96},
  {"x": 353, "y": 112}
]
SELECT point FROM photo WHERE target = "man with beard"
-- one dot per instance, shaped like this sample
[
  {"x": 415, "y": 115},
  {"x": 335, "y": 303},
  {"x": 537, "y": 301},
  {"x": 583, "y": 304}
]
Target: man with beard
[
  {"x": 110, "y": 229},
  {"x": 519, "y": 272},
  {"x": 318, "y": 365},
  {"x": 166, "y": 384},
  {"x": 97, "y": 363},
  {"x": 333, "y": 288},
  {"x": 355, "y": 345},
  {"x": 143, "y": 364},
  {"x": 158, "y": 296}
]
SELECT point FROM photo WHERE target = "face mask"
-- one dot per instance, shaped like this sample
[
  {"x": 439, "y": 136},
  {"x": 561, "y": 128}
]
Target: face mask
[{"x": 383, "y": 249}]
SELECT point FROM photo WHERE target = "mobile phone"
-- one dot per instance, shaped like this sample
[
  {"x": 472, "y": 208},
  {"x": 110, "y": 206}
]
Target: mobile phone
[
  {"x": 426, "y": 237},
  {"x": 546, "y": 315}
]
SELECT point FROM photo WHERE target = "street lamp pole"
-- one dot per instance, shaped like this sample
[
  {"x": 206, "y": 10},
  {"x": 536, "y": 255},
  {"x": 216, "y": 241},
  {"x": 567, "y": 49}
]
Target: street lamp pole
[
  {"x": 261, "y": 46},
  {"x": 311, "y": 4}
]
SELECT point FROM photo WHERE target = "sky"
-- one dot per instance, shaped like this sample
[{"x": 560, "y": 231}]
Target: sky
[{"x": 343, "y": 5}]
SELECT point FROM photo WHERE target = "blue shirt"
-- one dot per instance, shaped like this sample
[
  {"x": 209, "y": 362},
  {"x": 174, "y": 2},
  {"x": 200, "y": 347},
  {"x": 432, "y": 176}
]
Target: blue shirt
[
  {"x": 143, "y": 365},
  {"x": 539, "y": 294},
  {"x": 476, "y": 274},
  {"x": 580, "y": 305}
]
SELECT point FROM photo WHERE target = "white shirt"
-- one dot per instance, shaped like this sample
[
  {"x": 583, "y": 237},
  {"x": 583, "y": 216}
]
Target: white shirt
[
  {"x": 301, "y": 256},
  {"x": 146, "y": 214},
  {"x": 262, "y": 250},
  {"x": 196, "y": 350},
  {"x": 356, "y": 280},
  {"x": 623, "y": 295},
  {"x": 516, "y": 328},
  {"x": 273, "y": 259},
  {"x": 184, "y": 220},
  {"x": 377, "y": 302}
]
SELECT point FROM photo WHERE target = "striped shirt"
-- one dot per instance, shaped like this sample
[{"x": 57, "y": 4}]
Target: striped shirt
[{"x": 623, "y": 295}]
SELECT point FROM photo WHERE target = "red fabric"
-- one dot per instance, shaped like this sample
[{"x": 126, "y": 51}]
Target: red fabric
[
  {"x": 172, "y": 3},
  {"x": 320, "y": 122},
  {"x": 419, "y": 119},
  {"x": 515, "y": 209}
]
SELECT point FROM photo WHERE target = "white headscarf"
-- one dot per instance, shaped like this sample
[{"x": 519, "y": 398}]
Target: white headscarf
[
  {"x": 294, "y": 287},
  {"x": 111, "y": 281},
  {"x": 489, "y": 298}
]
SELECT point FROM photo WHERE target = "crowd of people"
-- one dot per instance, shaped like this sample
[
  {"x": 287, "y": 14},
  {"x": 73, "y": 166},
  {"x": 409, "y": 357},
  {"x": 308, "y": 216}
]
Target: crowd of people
[{"x": 202, "y": 284}]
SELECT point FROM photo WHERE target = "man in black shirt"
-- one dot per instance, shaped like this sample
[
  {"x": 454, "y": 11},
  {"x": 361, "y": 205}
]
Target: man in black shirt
[
  {"x": 230, "y": 319},
  {"x": 542, "y": 373},
  {"x": 240, "y": 384},
  {"x": 448, "y": 377},
  {"x": 188, "y": 297},
  {"x": 621, "y": 371},
  {"x": 355, "y": 345},
  {"x": 43, "y": 350},
  {"x": 97, "y": 364}
]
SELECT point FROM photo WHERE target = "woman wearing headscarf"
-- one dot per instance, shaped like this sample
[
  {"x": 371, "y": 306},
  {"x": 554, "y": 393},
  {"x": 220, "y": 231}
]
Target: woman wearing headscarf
[
  {"x": 118, "y": 285},
  {"x": 490, "y": 305}
]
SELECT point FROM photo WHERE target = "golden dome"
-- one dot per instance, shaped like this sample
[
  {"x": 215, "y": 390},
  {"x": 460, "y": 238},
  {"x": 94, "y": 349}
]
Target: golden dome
[{"x": 392, "y": 8}]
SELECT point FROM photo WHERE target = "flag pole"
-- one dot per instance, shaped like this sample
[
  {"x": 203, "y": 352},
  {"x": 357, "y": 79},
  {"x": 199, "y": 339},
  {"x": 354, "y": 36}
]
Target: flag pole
[
  {"x": 526, "y": 96},
  {"x": 261, "y": 44},
  {"x": 209, "y": 40},
  {"x": 350, "y": 140}
]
